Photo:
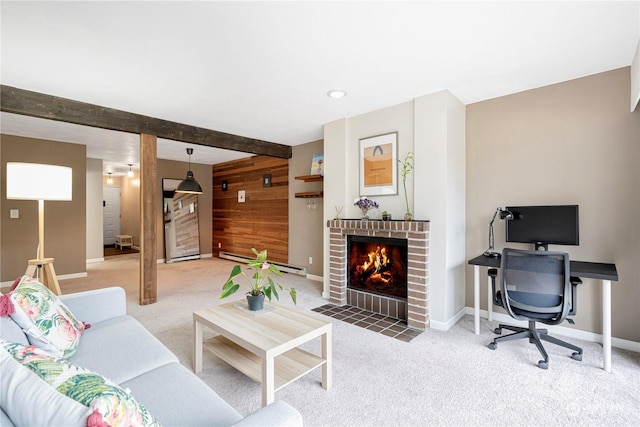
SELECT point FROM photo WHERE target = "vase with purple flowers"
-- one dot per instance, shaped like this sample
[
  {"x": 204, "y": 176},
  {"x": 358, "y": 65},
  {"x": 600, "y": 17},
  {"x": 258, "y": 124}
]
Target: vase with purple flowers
[{"x": 365, "y": 204}]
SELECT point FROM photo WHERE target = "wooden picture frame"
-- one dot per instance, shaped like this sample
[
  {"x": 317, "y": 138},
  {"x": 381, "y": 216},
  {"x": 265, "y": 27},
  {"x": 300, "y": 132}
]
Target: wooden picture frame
[{"x": 379, "y": 165}]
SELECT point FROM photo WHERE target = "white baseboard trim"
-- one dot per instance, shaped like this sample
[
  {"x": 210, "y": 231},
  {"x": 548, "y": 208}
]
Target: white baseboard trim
[
  {"x": 314, "y": 277},
  {"x": 72, "y": 276},
  {"x": 562, "y": 330},
  {"x": 162, "y": 260},
  {"x": 60, "y": 277},
  {"x": 445, "y": 326},
  {"x": 94, "y": 260}
]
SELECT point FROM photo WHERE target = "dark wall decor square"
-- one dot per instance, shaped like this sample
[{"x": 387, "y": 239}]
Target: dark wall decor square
[
  {"x": 225, "y": 185},
  {"x": 266, "y": 180}
]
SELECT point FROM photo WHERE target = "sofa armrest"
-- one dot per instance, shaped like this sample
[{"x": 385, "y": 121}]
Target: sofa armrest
[
  {"x": 97, "y": 305},
  {"x": 278, "y": 413}
]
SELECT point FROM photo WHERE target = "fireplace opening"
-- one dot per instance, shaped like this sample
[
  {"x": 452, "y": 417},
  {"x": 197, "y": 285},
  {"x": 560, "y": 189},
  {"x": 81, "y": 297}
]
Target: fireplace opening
[{"x": 378, "y": 265}]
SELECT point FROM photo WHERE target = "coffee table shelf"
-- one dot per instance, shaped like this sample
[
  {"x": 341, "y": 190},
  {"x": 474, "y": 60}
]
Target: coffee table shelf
[
  {"x": 288, "y": 366},
  {"x": 265, "y": 345}
]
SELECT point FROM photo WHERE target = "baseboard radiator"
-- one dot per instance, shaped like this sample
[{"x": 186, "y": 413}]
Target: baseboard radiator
[{"x": 301, "y": 271}]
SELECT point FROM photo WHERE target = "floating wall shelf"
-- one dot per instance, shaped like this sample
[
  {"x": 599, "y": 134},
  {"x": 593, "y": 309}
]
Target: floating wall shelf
[
  {"x": 310, "y": 194},
  {"x": 310, "y": 178}
]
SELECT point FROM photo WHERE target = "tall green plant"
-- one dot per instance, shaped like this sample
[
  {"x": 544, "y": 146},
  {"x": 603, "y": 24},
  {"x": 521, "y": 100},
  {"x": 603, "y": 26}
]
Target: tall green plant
[{"x": 406, "y": 167}]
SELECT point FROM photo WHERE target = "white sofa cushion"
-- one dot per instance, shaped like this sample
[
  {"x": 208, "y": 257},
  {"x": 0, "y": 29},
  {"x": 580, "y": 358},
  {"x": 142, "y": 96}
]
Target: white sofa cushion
[
  {"x": 121, "y": 349},
  {"x": 197, "y": 405},
  {"x": 10, "y": 331}
]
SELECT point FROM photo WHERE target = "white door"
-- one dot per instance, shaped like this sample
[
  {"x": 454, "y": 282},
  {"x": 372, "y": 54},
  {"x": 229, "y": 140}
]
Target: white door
[{"x": 111, "y": 213}]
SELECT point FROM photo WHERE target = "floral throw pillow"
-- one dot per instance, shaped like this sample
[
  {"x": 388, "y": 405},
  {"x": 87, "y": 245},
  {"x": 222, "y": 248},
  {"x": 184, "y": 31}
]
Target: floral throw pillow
[
  {"x": 106, "y": 403},
  {"x": 47, "y": 322}
]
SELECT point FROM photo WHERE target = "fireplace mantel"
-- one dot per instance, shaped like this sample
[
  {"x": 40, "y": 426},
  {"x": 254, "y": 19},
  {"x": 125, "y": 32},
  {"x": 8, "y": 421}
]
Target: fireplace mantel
[{"x": 417, "y": 235}]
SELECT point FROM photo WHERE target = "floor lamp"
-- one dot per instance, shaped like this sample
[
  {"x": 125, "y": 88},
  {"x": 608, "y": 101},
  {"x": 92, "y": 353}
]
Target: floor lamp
[{"x": 33, "y": 181}]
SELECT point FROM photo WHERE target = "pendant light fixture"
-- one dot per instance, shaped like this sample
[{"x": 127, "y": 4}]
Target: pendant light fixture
[
  {"x": 109, "y": 180},
  {"x": 189, "y": 184},
  {"x": 130, "y": 173}
]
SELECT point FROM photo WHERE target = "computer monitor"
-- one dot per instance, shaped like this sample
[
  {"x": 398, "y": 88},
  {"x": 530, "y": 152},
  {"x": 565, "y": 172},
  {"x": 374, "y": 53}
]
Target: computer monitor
[{"x": 543, "y": 225}]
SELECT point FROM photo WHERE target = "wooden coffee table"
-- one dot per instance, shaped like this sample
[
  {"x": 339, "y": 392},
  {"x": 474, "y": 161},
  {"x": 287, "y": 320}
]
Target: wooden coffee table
[{"x": 263, "y": 345}]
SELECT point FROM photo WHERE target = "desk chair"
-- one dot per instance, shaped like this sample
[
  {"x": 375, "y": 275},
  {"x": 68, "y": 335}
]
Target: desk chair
[{"x": 535, "y": 286}]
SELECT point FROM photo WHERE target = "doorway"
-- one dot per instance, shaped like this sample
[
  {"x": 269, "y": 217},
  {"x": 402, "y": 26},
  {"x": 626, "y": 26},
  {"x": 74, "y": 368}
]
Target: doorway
[{"x": 110, "y": 214}]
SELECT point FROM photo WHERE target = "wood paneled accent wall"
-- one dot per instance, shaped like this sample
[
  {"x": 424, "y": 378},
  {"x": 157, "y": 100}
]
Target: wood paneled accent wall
[{"x": 262, "y": 221}]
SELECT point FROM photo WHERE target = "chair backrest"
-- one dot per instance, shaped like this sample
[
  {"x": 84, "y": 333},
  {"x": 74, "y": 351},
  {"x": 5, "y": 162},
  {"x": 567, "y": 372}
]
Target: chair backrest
[{"x": 535, "y": 284}]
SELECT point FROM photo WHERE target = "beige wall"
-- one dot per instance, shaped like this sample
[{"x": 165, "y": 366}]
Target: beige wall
[
  {"x": 571, "y": 143},
  {"x": 305, "y": 226},
  {"x": 95, "y": 229},
  {"x": 65, "y": 222}
]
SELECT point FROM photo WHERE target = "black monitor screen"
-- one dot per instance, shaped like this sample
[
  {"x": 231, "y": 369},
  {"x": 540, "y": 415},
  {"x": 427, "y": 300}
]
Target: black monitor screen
[{"x": 543, "y": 225}]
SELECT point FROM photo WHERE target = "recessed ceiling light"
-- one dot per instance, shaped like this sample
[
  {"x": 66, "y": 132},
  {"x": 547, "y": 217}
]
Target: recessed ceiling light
[{"x": 336, "y": 93}]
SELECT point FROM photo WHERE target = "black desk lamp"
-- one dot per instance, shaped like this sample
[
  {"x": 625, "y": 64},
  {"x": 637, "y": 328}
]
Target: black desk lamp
[{"x": 504, "y": 214}]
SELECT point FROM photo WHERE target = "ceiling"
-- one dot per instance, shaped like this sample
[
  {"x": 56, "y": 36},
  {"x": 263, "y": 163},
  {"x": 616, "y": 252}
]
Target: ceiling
[{"x": 263, "y": 69}]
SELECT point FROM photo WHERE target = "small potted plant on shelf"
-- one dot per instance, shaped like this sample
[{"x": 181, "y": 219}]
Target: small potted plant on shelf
[
  {"x": 260, "y": 282},
  {"x": 406, "y": 167},
  {"x": 386, "y": 216}
]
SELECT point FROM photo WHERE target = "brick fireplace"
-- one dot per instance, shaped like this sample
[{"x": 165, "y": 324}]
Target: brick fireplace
[{"x": 415, "y": 310}]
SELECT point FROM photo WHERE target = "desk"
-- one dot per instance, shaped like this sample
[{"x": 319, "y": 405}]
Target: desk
[{"x": 589, "y": 270}]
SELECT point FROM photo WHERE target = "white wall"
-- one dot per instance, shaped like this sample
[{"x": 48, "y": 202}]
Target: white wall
[
  {"x": 432, "y": 127},
  {"x": 440, "y": 169},
  {"x": 95, "y": 247}
]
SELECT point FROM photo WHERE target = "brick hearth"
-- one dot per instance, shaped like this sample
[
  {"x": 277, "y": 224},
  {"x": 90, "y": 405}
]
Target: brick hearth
[{"x": 417, "y": 235}]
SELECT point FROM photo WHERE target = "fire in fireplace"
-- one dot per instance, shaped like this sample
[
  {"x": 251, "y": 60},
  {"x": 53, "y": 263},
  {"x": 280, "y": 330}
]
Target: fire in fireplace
[{"x": 378, "y": 265}]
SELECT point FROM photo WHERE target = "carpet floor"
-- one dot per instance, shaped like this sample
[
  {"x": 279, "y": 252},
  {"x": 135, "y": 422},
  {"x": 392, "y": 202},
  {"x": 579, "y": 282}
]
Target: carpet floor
[{"x": 436, "y": 379}]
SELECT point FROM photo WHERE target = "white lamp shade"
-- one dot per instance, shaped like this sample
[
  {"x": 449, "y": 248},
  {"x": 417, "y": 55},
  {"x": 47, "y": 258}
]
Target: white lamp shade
[{"x": 33, "y": 181}]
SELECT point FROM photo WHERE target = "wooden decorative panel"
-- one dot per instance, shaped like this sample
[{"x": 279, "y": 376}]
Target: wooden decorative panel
[{"x": 262, "y": 221}]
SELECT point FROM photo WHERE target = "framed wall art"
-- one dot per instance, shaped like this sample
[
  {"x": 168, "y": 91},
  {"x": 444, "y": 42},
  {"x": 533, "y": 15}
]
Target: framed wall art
[{"x": 378, "y": 165}]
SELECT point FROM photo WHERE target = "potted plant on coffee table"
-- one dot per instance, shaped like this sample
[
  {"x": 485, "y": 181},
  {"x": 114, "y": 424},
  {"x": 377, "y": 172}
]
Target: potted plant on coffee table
[{"x": 259, "y": 279}]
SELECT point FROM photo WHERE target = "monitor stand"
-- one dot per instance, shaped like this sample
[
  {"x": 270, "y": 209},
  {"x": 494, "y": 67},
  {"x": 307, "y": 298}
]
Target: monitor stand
[{"x": 542, "y": 246}]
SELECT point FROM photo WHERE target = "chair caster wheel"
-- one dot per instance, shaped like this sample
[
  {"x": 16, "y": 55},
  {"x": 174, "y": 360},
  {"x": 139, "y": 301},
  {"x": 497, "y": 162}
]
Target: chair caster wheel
[
  {"x": 577, "y": 356},
  {"x": 492, "y": 345},
  {"x": 497, "y": 331},
  {"x": 542, "y": 364}
]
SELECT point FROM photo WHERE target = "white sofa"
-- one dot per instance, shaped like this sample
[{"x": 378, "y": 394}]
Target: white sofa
[{"x": 119, "y": 348}]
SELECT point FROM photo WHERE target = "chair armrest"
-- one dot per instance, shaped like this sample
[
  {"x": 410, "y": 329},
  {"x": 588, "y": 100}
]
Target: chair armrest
[
  {"x": 96, "y": 305},
  {"x": 575, "y": 281},
  {"x": 278, "y": 413}
]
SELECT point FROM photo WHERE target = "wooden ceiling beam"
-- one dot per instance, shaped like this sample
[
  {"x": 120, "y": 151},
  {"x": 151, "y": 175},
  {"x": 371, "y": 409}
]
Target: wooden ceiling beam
[{"x": 35, "y": 104}]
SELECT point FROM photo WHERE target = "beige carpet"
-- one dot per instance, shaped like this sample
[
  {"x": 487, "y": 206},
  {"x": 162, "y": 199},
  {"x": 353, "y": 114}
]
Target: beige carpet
[{"x": 439, "y": 378}]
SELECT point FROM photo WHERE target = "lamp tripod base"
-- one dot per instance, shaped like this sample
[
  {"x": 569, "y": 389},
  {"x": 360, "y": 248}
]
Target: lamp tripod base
[{"x": 47, "y": 275}]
